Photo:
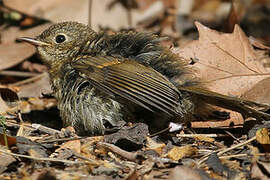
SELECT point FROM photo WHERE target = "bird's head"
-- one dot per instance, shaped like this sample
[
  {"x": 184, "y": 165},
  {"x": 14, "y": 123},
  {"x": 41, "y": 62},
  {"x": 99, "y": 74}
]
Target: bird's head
[{"x": 61, "y": 41}]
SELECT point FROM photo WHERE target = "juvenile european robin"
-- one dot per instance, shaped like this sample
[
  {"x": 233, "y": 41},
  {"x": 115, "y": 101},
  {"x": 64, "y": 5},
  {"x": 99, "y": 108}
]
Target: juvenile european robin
[{"x": 103, "y": 79}]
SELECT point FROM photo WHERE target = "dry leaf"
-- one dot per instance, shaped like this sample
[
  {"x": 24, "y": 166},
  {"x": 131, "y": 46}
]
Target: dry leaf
[
  {"x": 53, "y": 10},
  {"x": 34, "y": 67},
  {"x": 35, "y": 153},
  {"x": 35, "y": 88},
  {"x": 13, "y": 53},
  {"x": 12, "y": 33},
  {"x": 8, "y": 99},
  {"x": 152, "y": 145},
  {"x": 260, "y": 170},
  {"x": 10, "y": 139},
  {"x": 177, "y": 153},
  {"x": 6, "y": 160},
  {"x": 262, "y": 136},
  {"x": 33, "y": 104},
  {"x": 227, "y": 62},
  {"x": 259, "y": 92},
  {"x": 70, "y": 10},
  {"x": 204, "y": 138},
  {"x": 257, "y": 43},
  {"x": 3, "y": 106},
  {"x": 236, "y": 120},
  {"x": 186, "y": 173},
  {"x": 74, "y": 145}
]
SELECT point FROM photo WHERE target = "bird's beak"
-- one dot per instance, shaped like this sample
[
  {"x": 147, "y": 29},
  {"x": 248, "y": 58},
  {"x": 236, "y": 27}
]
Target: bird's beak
[{"x": 33, "y": 41}]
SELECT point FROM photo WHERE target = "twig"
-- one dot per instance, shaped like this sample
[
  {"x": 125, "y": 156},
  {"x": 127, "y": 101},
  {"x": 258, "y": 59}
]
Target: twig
[
  {"x": 18, "y": 73},
  {"x": 233, "y": 156},
  {"x": 240, "y": 155},
  {"x": 3, "y": 124},
  {"x": 236, "y": 75},
  {"x": 160, "y": 132},
  {"x": 86, "y": 159},
  {"x": 28, "y": 127},
  {"x": 90, "y": 13},
  {"x": 20, "y": 117},
  {"x": 61, "y": 140},
  {"x": 29, "y": 80},
  {"x": 204, "y": 158},
  {"x": 41, "y": 159},
  {"x": 128, "y": 155},
  {"x": 45, "y": 129},
  {"x": 230, "y": 134},
  {"x": 236, "y": 146},
  {"x": 129, "y": 17},
  {"x": 204, "y": 135}
]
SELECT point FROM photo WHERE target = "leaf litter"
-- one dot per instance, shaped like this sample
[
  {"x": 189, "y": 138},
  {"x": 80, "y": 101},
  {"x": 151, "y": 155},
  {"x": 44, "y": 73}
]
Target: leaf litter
[{"x": 227, "y": 63}]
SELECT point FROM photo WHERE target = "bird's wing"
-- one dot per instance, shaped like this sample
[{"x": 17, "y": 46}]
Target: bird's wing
[{"x": 131, "y": 80}]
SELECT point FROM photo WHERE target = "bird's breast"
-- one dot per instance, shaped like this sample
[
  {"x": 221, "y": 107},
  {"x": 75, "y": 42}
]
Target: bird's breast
[{"x": 82, "y": 105}]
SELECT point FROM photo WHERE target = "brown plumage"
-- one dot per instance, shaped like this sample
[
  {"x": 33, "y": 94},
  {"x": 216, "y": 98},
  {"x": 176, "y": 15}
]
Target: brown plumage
[{"x": 99, "y": 78}]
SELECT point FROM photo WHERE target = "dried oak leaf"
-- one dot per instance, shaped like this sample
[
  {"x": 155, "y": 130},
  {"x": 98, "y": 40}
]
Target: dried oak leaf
[
  {"x": 226, "y": 63},
  {"x": 260, "y": 92},
  {"x": 13, "y": 53}
]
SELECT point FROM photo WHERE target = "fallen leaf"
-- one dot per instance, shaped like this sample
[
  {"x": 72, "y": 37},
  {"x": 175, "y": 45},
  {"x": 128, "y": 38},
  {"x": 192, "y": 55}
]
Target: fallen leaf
[
  {"x": 204, "y": 138},
  {"x": 74, "y": 145},
  {"x": 177, "y": 153},
  {"x": 36, "y": 88},
  {"x": 6, "y": 160},
  {"x": 260, "y": 170},
  {"x": 12, "y": 33},
  {"x": 34, "y": 67},
  {"x": 44, "y": 174},
  {"x": 13, "y": 53},
  {"x": 227, "y": 64},
  {"x": 53, "y": 10},
  {"x": 133, "y": 176},
  {"x": 128, "y": 138},
  {"x": 58, "y": 11},
  {"x": 259, "y": 92},
  {"x": 257, "y": 43},
  {"x": 262, "y": 136},
  {"x": 224, "y": 59},
  {"x": 3, "y": 106},
  {"x": 11, "y": 140},
  {"x": 236, "y": 120},
  {"x": 8, "y": 99},
  {"x": 186, "y": 173},
  {"x": 152, "y": 145}
]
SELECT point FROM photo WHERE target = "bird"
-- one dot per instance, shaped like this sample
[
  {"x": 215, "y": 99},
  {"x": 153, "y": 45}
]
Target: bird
[{"x": 102, "y": 79}]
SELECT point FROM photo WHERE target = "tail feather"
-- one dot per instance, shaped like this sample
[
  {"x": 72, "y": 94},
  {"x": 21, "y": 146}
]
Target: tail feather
[{"x": 245, "y": 107}]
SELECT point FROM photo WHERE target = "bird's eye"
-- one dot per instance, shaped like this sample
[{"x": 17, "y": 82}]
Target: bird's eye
[{"x": 60, "y": 38}]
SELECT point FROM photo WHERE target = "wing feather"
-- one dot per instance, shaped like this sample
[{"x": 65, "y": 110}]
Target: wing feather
[{"x": 131, "y": 80}]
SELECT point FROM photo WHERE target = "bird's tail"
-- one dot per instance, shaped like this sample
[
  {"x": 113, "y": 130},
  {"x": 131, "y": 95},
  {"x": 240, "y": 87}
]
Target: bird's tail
[{"x": 245, "y": 107}]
